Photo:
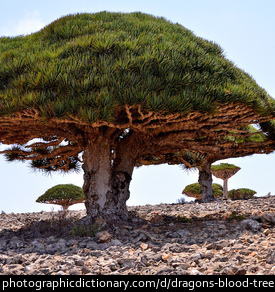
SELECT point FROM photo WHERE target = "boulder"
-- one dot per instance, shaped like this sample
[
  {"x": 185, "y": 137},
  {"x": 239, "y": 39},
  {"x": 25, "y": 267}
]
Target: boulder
[
  {"x": 103, "y": 236},
  {"x": 251, "y": 224},
  {"x": 268, "y": 217}
]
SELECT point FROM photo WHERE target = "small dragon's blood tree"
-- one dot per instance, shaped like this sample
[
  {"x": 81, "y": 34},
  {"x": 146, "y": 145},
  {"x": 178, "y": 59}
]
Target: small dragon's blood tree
[
  {"x": 195, "y": 191},
  {"x": 224, "y": 171},
  {"x": 241, "y": 194},
  {"x": 64, "y": 195},
  {"x": 105, "y": 90}
]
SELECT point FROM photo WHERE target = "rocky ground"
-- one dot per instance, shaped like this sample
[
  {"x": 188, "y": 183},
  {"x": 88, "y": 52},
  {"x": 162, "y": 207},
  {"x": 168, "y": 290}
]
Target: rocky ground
[{"x": 225, "y": 237}]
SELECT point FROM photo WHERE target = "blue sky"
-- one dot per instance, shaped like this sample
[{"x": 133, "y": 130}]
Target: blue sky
[{"x": 245, "y": 29}]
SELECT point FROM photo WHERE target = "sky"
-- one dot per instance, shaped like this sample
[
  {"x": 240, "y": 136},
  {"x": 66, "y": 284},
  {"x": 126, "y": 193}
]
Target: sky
[{"x": 245, "y": 29}]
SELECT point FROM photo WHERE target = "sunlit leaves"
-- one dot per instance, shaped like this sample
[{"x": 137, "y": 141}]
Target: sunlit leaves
[{"x": 91, "y": 65}]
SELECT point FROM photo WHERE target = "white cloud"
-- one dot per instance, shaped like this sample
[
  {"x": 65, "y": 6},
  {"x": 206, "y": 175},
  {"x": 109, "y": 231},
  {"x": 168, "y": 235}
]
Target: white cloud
[{"x": 29, "y": 23}]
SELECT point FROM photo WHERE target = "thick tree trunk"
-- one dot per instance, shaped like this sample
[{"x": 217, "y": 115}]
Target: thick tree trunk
[
  {"x": 107, "y": 175},
  {"x": 205, "y": 181},
  {"x": 97, "y": 173}
]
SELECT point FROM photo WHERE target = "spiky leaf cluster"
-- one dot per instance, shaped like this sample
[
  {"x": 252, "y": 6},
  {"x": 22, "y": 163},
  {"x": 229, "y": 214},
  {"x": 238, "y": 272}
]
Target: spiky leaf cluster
[
  {"x": 47, "y": 156},
  {"x": 88, "y": 65}
]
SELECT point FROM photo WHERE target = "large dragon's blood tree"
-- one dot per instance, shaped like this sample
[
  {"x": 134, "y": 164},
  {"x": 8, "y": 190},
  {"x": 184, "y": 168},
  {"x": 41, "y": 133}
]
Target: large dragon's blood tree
[{"x": 105, "y": 89}]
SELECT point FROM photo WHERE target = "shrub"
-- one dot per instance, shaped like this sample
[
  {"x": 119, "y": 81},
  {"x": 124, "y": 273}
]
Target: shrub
[
  {"x": 194, "y": 190},
  {"x": 84, "y": 230},
  {"x": 241, "y": 194},
  {"x": 234, "y": 215}
]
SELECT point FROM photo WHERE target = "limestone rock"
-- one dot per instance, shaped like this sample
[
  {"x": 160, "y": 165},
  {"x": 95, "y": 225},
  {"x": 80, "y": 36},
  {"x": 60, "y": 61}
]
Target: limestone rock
[
  {"x": 103, "y": 236},
  {"x": 185, "y": 239},
  {"x": 251, "y": 224}
]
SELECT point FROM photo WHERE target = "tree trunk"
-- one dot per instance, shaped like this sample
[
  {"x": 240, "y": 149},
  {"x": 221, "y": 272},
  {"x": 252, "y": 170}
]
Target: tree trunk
[
  {"x": 65, "y": 207},
  {"x": 107, "y": 175},
  {"x": 225, "y": 189},
  {"x": 205, "y": 181}
]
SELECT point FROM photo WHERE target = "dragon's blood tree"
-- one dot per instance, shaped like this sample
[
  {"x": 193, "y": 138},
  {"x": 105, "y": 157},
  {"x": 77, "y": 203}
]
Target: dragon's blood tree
[
  {"x": 105, "y": 89},
  {"x": 64, "y": 195},
  {"x": 194, "y": 190},
  {"x": 224, "y": 171}
]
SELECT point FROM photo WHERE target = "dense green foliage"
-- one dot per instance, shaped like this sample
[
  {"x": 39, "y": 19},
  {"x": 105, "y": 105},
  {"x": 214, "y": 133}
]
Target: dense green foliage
[
  {"x": 241, "y": 194},
  {"x": 63, "y": 194},
  {"x": 255, "y": 136},
  {"x": 269, "y": 129},
  {"x": 89, "y": 65},
  {"x": 224, "y": 166},
  {"x": 195, "y": 190}
]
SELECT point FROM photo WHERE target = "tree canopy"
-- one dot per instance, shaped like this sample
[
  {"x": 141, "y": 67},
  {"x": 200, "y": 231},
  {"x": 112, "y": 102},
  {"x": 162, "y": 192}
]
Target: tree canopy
[
  {"x": 194, "y": 190},
  {"x": 108, "y": 89},
  {"x": 106, "y": 60},
  {"x": 241, "y": 194},
  {"x": 224, "y": 170},
  {"x": 122, "y": 71},
  {"x": 64, "y": 195}
]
